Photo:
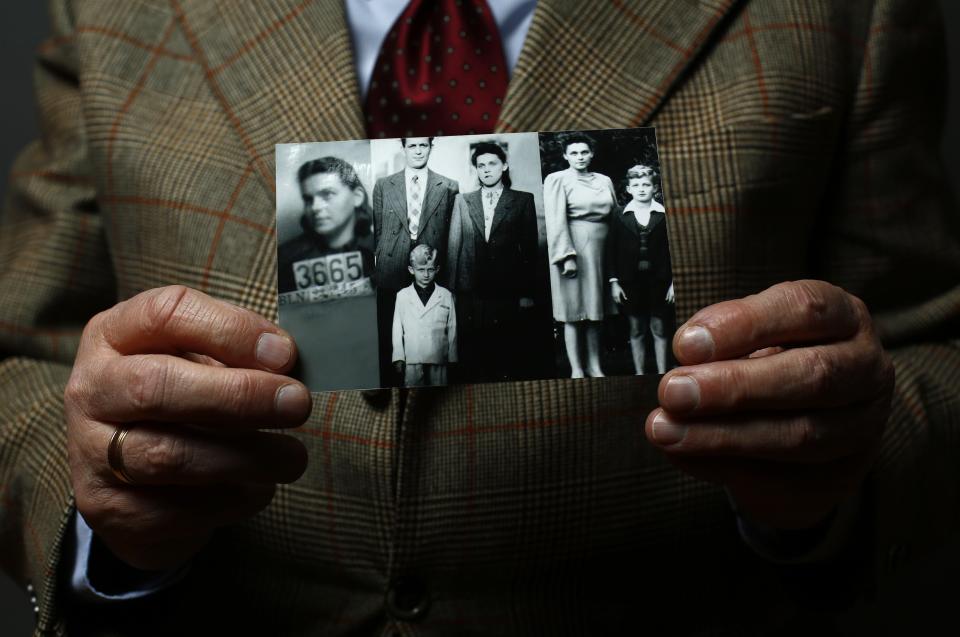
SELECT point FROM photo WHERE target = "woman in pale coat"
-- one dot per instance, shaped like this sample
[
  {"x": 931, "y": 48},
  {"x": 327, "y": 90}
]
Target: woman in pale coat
[{"x": 577, "y": 206}]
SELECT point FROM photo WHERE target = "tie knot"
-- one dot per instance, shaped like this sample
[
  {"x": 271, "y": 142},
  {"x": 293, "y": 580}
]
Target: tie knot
[{"x": 441, "y": 71}]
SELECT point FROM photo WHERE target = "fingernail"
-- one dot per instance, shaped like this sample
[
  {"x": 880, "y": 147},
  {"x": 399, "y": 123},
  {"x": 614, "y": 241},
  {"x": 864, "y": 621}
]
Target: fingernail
[
  {"x": 665, "y": 432},
  {"x": 682, "y": 394},
  {"x": 292, "y": 402},
  {"x": 696, "y": 344},
  {"x": 274, "y": 351}
]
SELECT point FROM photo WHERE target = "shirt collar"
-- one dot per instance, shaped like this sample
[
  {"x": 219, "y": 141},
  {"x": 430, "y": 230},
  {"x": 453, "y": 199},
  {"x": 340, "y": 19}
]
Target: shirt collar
[
  {"x": 419, "y": 172},
  {"x": 655, "y": 206},
  {"x": 425, "y": 293},
  {"x": 497, "y": 189}
]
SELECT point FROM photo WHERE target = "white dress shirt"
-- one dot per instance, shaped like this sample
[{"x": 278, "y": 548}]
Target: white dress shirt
[{"x": 490, "y": 197}]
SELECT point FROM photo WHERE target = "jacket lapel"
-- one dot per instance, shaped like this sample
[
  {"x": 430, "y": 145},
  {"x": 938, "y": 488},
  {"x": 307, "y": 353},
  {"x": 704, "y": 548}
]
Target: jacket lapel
[
  {"x": 431, "y": 302},
  {"x": 502, "y": 211},
  {"x": 397, "y": 194},
  {"x": 475, "y": 206},
  {"x": 605, "y": 64},
  {"x": 656, "y": 218},
  {"x": 431, "y": 198},
  {"x": 281, "y": 71},
  {"x": 630, "y": 221}
]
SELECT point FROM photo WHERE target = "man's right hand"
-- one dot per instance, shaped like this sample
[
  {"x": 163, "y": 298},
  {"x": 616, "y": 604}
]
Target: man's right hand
[
  {"x": 196, "y": 378},
  {"x": 569, "y": 268}
]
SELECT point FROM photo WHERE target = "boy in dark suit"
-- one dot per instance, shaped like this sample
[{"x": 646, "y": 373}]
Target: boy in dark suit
[{"x": 638, "y": 263}]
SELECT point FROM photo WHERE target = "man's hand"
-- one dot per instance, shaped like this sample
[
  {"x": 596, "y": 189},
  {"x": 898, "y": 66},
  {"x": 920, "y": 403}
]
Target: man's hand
[
  {"x": 196, "y": 378},
  {"x": 569, "y": 269},
  {"x": 782, "y": 400}
]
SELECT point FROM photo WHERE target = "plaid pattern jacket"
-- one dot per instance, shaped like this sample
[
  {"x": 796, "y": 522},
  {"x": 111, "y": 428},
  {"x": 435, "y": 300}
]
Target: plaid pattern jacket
[{"x": 798, "y": 138}]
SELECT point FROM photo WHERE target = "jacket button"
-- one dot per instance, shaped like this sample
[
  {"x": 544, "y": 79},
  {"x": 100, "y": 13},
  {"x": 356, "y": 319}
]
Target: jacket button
[{"x": 407, "y": 599}]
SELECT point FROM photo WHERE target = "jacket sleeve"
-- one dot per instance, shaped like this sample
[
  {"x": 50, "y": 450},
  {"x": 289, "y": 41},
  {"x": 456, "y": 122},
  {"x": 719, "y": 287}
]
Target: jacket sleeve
[
  {"x": 452, "y": 334},
  {"x": 613, "y": 245},
  {"x": 559, "y": 242},
  {"x": 892, "y": 237},
  {"x": 399, "y": 353},
  {"x": 664, "y": 253},
  {"x": 453, "y": 194},
  {"x": 55, "y": 273},
  {"x": 529, "y": 245},
  {"x": 454, "y": 244},
  {"x": 377, "y": 213}
]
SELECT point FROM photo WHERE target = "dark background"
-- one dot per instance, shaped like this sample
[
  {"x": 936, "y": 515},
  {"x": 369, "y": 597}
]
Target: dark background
[{"x": 25, "y": 25}]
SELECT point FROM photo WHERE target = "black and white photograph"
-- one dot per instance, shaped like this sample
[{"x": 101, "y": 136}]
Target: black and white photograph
[
  {"x": 424, "y": 261},
  {"x": 609, "y": 254},
  {"x": 457, "y": 245},
  {"x": 325, "y": 262}
]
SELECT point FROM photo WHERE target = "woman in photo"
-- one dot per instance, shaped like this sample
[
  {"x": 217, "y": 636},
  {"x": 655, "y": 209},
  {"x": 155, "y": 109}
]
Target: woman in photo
[
  {"x": 577, "y": 205},
  {"x": 336, "y": 220},
  {"x": 325, "y": 276}
]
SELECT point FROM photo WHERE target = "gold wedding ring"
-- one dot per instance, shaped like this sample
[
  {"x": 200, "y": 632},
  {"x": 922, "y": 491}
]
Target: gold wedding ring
[{"x": 115, "y": 454}]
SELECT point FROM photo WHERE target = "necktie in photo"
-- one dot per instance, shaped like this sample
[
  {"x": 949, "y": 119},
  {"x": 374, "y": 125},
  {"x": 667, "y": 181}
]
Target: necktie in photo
[
  {"x": 413, "y": 217},
  {"x": 488, "y": 215},
  {"x": 441, "y": 71}
]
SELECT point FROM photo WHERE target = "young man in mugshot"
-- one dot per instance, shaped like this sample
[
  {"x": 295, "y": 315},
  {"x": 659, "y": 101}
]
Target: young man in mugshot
[
  {"x": 424, "y": 324},
  {"x": 491, "y": 267},
  {"x": 410, "y": 207}
]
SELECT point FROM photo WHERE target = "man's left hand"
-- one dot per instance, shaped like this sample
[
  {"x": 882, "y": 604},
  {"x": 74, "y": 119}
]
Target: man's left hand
[{"x": 782, "y": 399}]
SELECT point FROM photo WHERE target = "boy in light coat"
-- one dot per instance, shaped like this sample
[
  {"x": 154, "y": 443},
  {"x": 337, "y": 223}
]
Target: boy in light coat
[{"x": 424, "y": 324}]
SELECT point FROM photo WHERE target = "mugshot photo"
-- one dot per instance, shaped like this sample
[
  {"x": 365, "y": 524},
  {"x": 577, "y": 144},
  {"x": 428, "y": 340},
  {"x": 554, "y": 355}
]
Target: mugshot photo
[
  {"x": 608, "y": 252},
  {"x": 325, "y": 262}
]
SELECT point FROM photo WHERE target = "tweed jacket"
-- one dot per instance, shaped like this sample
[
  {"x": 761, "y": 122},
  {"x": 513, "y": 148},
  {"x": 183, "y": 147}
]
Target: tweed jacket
[
  {"x": 391, "y": 225},
  {"x": 797, "y": 139}
]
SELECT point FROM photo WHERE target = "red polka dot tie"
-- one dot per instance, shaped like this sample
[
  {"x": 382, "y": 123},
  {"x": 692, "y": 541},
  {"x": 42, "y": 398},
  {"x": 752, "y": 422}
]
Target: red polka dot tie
[{"x": 441, "y": 71}]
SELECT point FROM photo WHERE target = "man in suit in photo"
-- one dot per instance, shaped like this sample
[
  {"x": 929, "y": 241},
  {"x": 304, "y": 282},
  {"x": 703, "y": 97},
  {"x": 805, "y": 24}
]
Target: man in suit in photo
[
  {"x": 786, "y": 473},
  {"x": 491, "y": 268},
  {"x": 410, "y": 207}
]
